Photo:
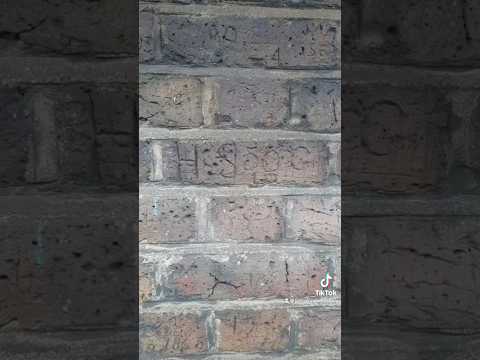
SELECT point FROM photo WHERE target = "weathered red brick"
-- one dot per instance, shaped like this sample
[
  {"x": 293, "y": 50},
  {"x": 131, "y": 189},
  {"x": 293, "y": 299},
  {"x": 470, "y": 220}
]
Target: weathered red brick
[
  {"x": 317, "y": 327},
  {"x": 314, "y": 218},
  {"x": 234, "y": 163},
  {"x": 247, "y": 219},
  {"x": 253, "y": 330},
  {"x": 167, "y": 220},
  {"x": 171, "y": 334},
  {"x": 219, "y": 272}
]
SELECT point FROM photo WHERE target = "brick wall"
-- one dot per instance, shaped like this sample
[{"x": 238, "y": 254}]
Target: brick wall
[
  {"x": 240, "y": 179},
  {"x": 68, "y": 184},
  {"x": 410, "y": 179}
]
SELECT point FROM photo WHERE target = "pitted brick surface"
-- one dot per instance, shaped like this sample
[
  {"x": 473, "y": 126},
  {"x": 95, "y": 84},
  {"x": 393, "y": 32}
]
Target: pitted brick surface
[{"x": 240, "y": 174}]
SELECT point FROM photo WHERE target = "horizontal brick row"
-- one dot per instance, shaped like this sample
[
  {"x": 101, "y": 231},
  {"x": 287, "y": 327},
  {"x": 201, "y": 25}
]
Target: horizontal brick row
[
  {"x": 69, "y": 135},
  {"x": 62, "y": 28},
  {"x": 234, "y": 330},
  {"x": 254, "y": 163},
  {"x": 405, "y": 140},
  {"x": 62, "y": 263},
  {"x": 223, "y": 103},
  {"x": 235, "y": 40},
  {"x": 270, "y": 3},
  {"x": 392, "y": 32},
  {"x": 228, "y": 272},
  {"x": 398, "y": 251},
  {"x": 268, "y": 219}
]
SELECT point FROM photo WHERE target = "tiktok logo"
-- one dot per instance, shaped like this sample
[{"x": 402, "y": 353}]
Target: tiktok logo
[{"x": 326, "y": 283}]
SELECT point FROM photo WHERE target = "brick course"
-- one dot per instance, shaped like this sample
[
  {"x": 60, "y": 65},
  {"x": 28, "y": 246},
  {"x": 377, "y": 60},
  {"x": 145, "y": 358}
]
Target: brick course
[{"x": 240, "y": 176}]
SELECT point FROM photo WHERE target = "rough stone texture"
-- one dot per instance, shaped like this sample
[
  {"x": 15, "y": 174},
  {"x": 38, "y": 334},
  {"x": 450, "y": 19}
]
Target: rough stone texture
[
  {"x": 244, "y": 41},
  {"x": 316, "y": 327},
  {"x": 225, "y": 102},
  {"x": 69, "y": 28},
  {"x": 253, "y": 331},
  {"x": 65, "y": 135},
  {"x": 148, "y": 44},
  {"x": 146, "y": 282},
  {"x": 249, "y": 103},
  {"x": 427, "y": 33},
  {"x": 397, "y": 138},
  {"x": 16, "y": 134},
  {"x": 247, "y": 219},
  {"x": 316, "y": 105},
  {"x": 239, "y": 161},
  {"x": 169, "y": 102},
  {"x": 423, "y": 278},
  {"x": 315, "y": 219},
  {"x": 409, "y": 239},
  {"x": 235, "y": 163},
  {"x": 228, "y": 272},
  {"x": 77, "y": 345},
  {"x": 173, "y": 334},
  {"x": 68, "y": 179},
  {"x": 164, "y": 220},
  {"x": 60, "y": 258},
  {"x": 272, "y": 3}
]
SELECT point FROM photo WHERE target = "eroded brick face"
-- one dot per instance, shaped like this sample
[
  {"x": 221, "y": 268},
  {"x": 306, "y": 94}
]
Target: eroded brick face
[
  {"x": 253, "y": 331},
  {"x": 211, "y": 273},
  {"x": 173, "y": 334},
  {"x": 316, "y": 327},
  {"x": 243, "y": 41},
  {"x": 315, "y": 219},
  {"x": 171, "y": 102},
  {"x": 240, "y": 179},
  {"x": 165, "y": 220},
  {"x": 247, "y": 219},
  {"x": 237, "y": 163}
]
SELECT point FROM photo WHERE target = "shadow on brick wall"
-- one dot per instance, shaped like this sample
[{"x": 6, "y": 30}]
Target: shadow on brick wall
[
  {"x": 69, "y": 180},
  {"x": 410, "y": 180}
]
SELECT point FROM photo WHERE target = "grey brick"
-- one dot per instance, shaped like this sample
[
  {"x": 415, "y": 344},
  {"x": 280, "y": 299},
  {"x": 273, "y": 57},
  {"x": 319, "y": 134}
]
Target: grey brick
[
  {"x": 171, "y": 102},
  {"x": 316, "y": 105},
  {"x": 244, "y": 41}
]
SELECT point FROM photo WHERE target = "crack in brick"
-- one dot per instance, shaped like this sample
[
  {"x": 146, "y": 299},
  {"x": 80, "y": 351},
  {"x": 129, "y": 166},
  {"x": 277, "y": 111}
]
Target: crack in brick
[
  {"x": 286, "y": 271},
  {"x": 221, "y": 282}
]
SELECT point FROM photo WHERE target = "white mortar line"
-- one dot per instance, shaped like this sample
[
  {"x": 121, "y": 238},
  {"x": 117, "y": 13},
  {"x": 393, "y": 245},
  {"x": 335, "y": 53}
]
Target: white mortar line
[
  {"x": 328, "y": 303},
  {"x": 149, "y": 189},
  {"x": 242, "y": 11},
  {"x": 234, "y": 135},
  {"x": 231, "y": 72}
]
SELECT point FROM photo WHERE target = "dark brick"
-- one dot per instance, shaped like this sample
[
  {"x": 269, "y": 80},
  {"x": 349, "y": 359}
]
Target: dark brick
[
  {"x": 428, "y": 32},
  {"x": 440, "y": 279},
  {"x": 390, "y": 147},
  {"x": 244, "y": 41}
]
